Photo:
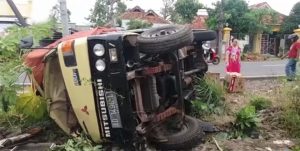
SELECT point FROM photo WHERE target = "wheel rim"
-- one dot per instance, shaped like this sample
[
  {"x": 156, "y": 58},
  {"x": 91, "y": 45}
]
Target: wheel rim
[{"x": 163, "y": 32}]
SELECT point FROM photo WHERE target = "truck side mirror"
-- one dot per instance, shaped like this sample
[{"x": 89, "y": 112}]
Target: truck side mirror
[{"x": 26, "y": 43}]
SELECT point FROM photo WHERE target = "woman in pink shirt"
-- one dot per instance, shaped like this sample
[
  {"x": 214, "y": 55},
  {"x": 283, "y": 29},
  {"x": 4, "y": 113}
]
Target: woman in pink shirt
[{"x": 233, "y": 57}]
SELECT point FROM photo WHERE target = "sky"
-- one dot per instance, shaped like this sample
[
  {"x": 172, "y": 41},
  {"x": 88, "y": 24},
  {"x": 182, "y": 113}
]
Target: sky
[{"x": 80, "y": 9}]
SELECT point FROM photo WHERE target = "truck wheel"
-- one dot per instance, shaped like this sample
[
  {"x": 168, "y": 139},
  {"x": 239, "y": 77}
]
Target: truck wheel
[
  {"x": 164, "y": 39},
  {"x": 190, "y": 135},
  {"x": 204, "y": 35}
]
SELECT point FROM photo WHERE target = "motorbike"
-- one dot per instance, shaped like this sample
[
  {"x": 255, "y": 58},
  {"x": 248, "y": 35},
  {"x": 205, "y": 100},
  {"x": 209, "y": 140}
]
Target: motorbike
[
  {"x": 127, "y": 89},
  {"x": 210, "y": 55}
]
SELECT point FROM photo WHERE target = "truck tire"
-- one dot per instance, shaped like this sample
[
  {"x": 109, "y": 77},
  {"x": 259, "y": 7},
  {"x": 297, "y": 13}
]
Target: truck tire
[
  {"x": 164, "y": 39},
  {"x": 189, "y": 136},
  {"x": 204, "y": 35}
]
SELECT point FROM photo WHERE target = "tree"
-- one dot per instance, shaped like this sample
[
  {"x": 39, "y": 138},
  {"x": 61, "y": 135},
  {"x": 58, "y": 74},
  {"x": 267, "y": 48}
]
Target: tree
[
  {"x": 138, "y": 24},
  {"x": 187, "y": 9},
  {"x": 105, "y": 11},
  {"x": 240, "y": 18},
  {"x": 11, "y": 58},
  {"x": 292, "y": 21},
  {"x": 234, "y": 13},
  {"x": 55, "y": 13},
  {"x": 121, "y": 8},
  {"x": 168, "y": 8},
  {"x": 260, "y": 20}
]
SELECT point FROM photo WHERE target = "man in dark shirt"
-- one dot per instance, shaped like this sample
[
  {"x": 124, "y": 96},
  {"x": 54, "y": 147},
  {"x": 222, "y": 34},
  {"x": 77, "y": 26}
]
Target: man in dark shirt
[{"x": 293, "y": 56}]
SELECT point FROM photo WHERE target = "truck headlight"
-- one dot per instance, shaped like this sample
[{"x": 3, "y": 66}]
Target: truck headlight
[
  {"x": 99, "y": 50},
  {"x": 100, "y": 65}
]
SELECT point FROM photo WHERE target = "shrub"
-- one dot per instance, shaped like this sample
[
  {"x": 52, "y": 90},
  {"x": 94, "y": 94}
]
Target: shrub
[
  {"x": 32, "y": 106},
  {"x": 138, "y": 24},
  {"x": 291, "y": 113},
  {"x": 209, "y": 97},
  {"x": 260, "y": 103},
  {"x": 78, "y": 144},
  {"x": 245, "y": 123}
]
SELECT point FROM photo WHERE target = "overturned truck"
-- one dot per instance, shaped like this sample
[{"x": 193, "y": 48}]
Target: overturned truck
[{"x": 127, "y": 88}]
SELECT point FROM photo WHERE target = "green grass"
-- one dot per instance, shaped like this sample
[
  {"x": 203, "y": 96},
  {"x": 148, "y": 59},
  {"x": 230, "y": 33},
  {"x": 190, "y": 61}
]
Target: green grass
[
  {"x": 291, "y": 112},
  {"x": 260, "y": 103},
  {"x": 209, "y": 97}
]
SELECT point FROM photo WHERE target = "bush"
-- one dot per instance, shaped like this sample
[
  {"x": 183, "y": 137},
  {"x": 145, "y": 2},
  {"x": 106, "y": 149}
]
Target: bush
[
  {"x": 260, "y": 103},
  {"x": 291, "y": 113},
  {"x": 209, "y": 97},
  {"x": 245, "y": 123},
  {"x": 138, "y": 24},
  {"x": 81, "y": 143}
]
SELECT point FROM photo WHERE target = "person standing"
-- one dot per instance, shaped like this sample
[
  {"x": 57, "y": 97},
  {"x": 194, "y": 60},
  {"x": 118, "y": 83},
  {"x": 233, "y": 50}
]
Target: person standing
[
  {"x": 233, "y": 57},
  {"x": 293, "y": 57}
]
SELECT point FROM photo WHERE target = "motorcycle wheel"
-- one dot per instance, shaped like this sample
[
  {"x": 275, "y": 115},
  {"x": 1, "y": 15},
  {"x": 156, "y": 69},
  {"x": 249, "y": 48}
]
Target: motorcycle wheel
[
  {"x": 216, "y": 61},
  {"x": 164, "y": 39},
  {"x": 187, "y": 137}
]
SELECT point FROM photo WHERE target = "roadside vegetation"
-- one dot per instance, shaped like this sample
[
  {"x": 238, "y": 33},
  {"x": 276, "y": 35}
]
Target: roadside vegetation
[
  {"x": 291, "y": 112},
  {"x": 210, "y": 97},
  {"x": 20, "y": 108}
]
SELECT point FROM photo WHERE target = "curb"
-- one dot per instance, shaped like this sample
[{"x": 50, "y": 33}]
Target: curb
[{"x": 263, "y": 77}]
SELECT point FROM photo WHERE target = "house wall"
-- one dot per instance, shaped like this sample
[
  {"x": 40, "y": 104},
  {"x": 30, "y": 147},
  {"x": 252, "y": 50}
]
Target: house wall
[{"x": 25, "y": 8}]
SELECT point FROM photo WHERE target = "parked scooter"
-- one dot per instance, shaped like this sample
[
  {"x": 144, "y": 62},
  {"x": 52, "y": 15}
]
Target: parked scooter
[{"x": 210, "y": 54}]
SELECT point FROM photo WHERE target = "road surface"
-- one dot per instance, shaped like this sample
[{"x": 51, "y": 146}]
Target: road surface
[{"x": 263, "y": 68}]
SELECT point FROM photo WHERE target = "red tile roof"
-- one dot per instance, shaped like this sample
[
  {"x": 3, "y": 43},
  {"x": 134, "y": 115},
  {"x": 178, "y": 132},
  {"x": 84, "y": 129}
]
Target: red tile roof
[
  {"x": 138, "y": 13},
  {"x": 263, "y": 5}
]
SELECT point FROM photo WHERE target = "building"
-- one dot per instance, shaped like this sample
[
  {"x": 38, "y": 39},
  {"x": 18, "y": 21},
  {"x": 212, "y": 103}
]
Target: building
[
  {"x": 199, "y": 23},
  {"x": 264, "y": 43},
  {"x": 7, "y": 16},
  {"x": 137, "y": 13}
]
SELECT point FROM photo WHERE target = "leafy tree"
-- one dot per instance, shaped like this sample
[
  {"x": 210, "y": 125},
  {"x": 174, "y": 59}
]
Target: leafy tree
[
  {"x": 187, "y": 9},
  {"x": 138, "y": 24},
  {"x": 234, "y": 15},
  {"x": 121, "y": 8},
  {"x": 240, "y": 18},
  {"x": 168, "y": 8},
  {"x": 292, "y": 21},
  {"x": 259, "y": 20},
  {"x": 105, "y": 10},
  {"x": 11, "y": 58}
]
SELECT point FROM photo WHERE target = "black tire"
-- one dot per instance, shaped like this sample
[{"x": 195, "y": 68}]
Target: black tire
[
  {"x": 188, "y": 137},
  {"x": 216, "y": 61},
  {"x": 159, "y": 43},
  {"x": 204, "y": 35}
]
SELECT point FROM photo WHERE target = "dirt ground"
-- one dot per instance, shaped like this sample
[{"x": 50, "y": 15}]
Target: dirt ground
[{"x": 271, "y": 137}]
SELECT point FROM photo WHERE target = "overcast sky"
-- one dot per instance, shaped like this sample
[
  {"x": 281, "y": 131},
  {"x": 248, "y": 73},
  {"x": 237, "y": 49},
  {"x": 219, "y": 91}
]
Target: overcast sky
[{"x": 80, "y": 9}]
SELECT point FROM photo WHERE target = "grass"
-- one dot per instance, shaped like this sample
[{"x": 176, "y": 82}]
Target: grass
[
  {"x": 291, "y": 112},
  {"x": 260, "y": 103},
  {"x": 209, "y": 97}
]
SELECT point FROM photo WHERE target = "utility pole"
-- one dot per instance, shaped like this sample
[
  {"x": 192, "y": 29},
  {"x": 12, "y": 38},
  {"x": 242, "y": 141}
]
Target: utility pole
[
  {"x": 64, "y": 17},
  {"x": 220, "y": 29}
]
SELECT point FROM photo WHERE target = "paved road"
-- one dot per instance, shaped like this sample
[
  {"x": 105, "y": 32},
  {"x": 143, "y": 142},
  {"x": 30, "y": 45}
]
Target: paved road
[{"x": 264, "y": 68}]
